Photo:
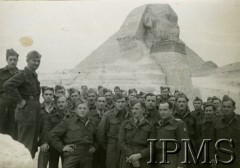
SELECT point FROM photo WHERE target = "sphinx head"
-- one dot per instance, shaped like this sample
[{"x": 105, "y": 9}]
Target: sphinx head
[{"x": 160, "y": 24}]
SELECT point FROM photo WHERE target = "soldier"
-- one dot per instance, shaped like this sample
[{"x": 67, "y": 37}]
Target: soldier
[
  {"x": 117, "y": 90},
  {"x": 133, "y": 136},
  {"x": 109, "y": 128},
  {"x": 165, "y": 93},
  {"x": 132, "y": 94},
  {"x": 109, "y": 97},
  {"x": 7, "y": 105},
  {"x": 151, "y": 113},
  {"x": 24, "y": 88},
  {"x": 74, "y": 95},
  {"x": 218, "y": 105},
  {"x": 207, "y": 131},
  {"x": 84, "y": 89},
  {"x": 59, "y": 91},
  {"x": 124, "y": 93},
  {"x": 99, "y": 157},
  {"x": 198, "y": 111},
  {"x": 100, "y": 90},
  {"x": 54, "y": 118},
  {"x": 75, "y": 137},
  {"x": 182, "y": 112},
  {"x": 228, "y": 127},
  {"x": 172, "y": 99},
  {"x": 170, "y": 128},
  {"x": 92, "y": 98},
  {"x": 46, "y": 108}
]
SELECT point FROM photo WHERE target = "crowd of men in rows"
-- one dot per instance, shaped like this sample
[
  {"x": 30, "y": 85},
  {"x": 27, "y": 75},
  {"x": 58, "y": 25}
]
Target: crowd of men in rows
[{"x": 107, "y": 129}]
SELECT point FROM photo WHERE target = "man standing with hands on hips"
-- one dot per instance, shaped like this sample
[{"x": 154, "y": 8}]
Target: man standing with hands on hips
[{"x": 24, "y": 88}]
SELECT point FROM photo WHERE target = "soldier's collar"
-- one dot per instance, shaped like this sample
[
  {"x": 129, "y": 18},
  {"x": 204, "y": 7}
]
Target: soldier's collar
[
  {"x": 185, "y": 114},
  {"x": 231, "y": 120},
  {"x": 30, "y": 72},
  {"x": 164, "y": 122}
]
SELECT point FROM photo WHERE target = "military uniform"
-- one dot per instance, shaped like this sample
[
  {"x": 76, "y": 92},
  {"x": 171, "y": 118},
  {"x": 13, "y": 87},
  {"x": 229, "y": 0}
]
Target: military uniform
[
  {"x": 191, "y": 122},
  {"x": 99, "y": 156},
  {"x": 152, "y": 116},
  {"x": 25, "y": 85},
  {"x": 8, "y": 124},
  {"x": 171, "y": 129},
  {"x": 108, "y": 135},
  {"x": 110, "y": 107},
  {"x": 228, "y": 129},
  {"x": 133, "y": 139},
  {"x": 78, "y": 132},
  {"x": 50, "y": 120}
]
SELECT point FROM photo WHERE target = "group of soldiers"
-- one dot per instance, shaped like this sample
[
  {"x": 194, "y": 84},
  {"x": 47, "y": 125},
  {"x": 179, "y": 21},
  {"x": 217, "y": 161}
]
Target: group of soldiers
[{"x": 109, "y": 129}]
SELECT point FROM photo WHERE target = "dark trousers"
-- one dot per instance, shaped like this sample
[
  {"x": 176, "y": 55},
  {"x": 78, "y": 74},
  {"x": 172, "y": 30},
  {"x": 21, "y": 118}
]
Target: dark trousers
[
  {"x": 80, "y": 158},
  {"x": 8, "y": 125},
  {"x": 51, "y": 157},
  {"x": 28, "y": 119},
  {"x": 113, "y": 155},
  {"x": 99, "y": 158}
]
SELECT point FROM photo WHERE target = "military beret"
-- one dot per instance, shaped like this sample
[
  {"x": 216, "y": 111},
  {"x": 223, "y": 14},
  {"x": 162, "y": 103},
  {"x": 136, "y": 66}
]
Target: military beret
[
  {"x": 33, "y": 54},
  {"x": 44, "y": 88},
  {"x": 11, "y": 52},
  {"x": 119, "y": 96},
  {"x": 100, "y": 87},
  {"x": 197, "y": 99},
  {"x": 131, "y": 91},
  {"x": 227, "y": 98},
  {"x": 182, "y": 95},
  {"x": 206, "y": 104},
  {"x": 91, "y": 90},
  {"x": 72, "y": 90},
  {"x": 58, "y": 87},
  {"x": 116, "y": 88},
  {"x": 162, "y": 88},
  {"x": 133, "y": 102},
  {"x": 141, "y": 93},
  {"x": 105, "y": 90}
]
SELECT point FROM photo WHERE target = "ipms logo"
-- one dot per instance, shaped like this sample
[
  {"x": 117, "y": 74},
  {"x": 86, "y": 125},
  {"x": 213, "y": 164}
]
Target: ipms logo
[{"x": 205, "y": 155}]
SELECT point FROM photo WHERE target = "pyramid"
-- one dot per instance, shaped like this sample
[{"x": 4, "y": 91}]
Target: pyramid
[{"x": 145, "y": 53}]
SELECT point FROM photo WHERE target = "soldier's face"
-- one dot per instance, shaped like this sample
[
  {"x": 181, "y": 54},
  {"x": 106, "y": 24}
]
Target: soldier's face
[
  {"x": 74, "y": 96},
  {"x": 124, "y": 93},
  {"x": 92, "y": 98},
  {"x": 120, "y": 104},
  {"x": 217, "y": 103},
  {"x": 137, "y": 111},
  {"x": 172, "y": 100},
  {"x": 150, "y": 102},
  {"x": 109, "y": 97},
  {"x": 84, "y": 89},
  {"x": 34, "y": 63},
  {"x": 182, "y": 103},
  {"x": 227, "y": 108},
  {"x": 165, "y": 92},
  {"x": 12, "y": 61},
  {"x": 48, "y": 96},
  {"x": 60, "y": 92},
  {"x": 62, "y": 103},
  {"x": 197, "y": 105},
  {"x": 209, "y": 112},
  {"x": 82, "y": 110},
  {"x": 219, "y": 111},
  {"x": 100, "y": 91},
  {"x": 133, "y": 96},
  {"x": 117, "y": 91},
  {"x": 101, "y": 103},
  {"x": 164, "y": 111}
]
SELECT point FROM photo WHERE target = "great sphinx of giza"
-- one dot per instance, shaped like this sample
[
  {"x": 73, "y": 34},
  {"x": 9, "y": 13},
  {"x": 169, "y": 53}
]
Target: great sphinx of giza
[{"x": 145, "y": 53}]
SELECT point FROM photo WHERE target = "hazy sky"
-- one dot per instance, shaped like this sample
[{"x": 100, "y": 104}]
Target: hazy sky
[{"x": 65, "y": 32}]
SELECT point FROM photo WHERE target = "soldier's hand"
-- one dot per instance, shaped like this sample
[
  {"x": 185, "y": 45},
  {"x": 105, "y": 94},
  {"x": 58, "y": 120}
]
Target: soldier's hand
[
  {"x": 92, "y": 149},
  {"x": 44, "y": 147},
  {"x": 22, "y": 103},
  {"x": 69, "y": 148},
  {"x": 135, "y": 157}
]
